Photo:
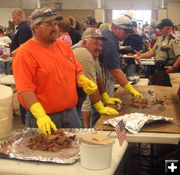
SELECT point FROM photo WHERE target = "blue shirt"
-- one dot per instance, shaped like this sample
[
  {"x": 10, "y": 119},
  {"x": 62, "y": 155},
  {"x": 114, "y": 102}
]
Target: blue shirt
[{"x": 109, "y": 56}]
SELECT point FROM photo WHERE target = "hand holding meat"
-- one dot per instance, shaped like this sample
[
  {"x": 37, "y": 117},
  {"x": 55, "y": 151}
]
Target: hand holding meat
[
  {"x": 43, "y": 120},
  {"x": 105, "y": 110},
  {"x": 108, "y": 100},
  {"x": 134, "y": 92}
]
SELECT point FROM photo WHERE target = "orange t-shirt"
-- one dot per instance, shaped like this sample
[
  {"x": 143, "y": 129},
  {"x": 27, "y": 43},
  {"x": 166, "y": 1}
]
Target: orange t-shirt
[{"x": 50, "y": 72}]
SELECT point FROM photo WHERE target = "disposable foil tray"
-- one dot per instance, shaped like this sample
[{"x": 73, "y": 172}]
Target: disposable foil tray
[{"x": 14, "y": 147}]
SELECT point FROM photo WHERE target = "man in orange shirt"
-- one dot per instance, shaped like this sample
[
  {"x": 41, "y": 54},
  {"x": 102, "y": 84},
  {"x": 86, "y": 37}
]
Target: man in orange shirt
[{"x": 46, "y": 74}]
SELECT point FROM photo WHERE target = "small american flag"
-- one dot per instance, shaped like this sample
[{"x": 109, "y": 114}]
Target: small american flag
[{"x": 121, "y": 132}]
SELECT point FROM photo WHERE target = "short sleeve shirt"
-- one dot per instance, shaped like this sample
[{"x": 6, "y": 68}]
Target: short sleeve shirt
[
  {"x": 109, "y": 55},
  {"x": 50, "y": 72},
  {"x": 165, "y": 48},
  {"x": 90, "y": 66},
  {"x": 5, "y": 39}
]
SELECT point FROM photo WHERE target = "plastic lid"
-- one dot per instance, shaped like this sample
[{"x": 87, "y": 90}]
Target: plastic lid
[{"x": 97, "y": 139}]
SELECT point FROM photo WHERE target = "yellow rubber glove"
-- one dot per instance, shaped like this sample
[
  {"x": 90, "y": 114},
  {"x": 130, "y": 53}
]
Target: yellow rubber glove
[
  {"x": 105, "y": 110},
  {"x": 134, "y": 92},
  {"x": 88, "y": 86},
  {"x": 108, "y": 100},
  {"x": 43, "y": 120}
]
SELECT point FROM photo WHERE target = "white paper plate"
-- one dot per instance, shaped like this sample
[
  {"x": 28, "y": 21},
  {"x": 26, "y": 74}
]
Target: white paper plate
[
  {"x": 129, "y": 56},
  {"x": 122, "y": 47}
]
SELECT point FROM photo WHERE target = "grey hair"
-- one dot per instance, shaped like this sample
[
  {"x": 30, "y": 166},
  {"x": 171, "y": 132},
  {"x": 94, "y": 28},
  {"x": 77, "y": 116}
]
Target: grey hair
[{"x": 87, "y": 40}]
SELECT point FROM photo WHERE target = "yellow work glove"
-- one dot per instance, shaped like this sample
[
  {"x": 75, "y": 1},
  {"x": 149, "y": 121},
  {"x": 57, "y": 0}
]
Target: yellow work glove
[
  {"x": 134, "y": 92},
  {"x": 108, "y": 100},
  {"x": 43, "y": 121},
  {"x": 88, "y": 86},
  {"x": 105, "y": 110}
]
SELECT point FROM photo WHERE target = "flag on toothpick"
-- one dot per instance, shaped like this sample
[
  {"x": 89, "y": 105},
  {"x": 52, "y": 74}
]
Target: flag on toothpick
[{"x": 121, "y": 132}]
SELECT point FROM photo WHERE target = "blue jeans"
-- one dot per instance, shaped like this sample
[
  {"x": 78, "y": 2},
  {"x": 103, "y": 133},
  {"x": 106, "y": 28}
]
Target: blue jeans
[
  {"x": 130, "y": 70},
  {"x": 5, "y": 67},
  {"x": 65, "y": 119},
  {"x": 95, "y": 116}
]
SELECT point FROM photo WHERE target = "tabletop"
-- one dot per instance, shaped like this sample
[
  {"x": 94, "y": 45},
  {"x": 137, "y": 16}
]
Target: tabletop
[
  {"x": 7, "y": 79},
  {"x": 156, "y": 132},
  {"x": 147, "y": 62},
  {"x": 16, "y": 167}
]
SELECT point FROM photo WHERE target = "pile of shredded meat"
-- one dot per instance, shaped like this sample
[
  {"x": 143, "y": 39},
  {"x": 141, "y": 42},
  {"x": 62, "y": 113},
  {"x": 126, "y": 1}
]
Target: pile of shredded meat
[
  {"x": 143, "y": 103},
  {"x": 54, "y": 142}
]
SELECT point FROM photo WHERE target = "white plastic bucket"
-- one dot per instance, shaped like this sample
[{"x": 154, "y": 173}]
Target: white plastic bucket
[
  {"x": 6, "y": 110},
  {"x": 95, "y": 157}
]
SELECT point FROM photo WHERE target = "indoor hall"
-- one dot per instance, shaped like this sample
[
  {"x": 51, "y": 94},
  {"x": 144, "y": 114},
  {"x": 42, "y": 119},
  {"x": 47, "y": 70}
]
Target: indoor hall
[{"x": 121, "y": 116}]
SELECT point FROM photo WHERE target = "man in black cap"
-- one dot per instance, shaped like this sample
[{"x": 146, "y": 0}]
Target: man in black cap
[
  {"x": 166, "y": 48},
  {"x": 92, "y": 23}
]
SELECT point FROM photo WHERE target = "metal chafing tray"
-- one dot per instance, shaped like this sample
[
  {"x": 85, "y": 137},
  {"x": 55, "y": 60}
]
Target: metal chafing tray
[{"x": 14, "y": 147}]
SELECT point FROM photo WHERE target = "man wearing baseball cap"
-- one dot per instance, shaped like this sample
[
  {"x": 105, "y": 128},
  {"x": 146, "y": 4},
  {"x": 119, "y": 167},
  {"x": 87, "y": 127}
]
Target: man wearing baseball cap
[
  {"x": 166, "y": 48},
  {"x": 109, "y": 57},
  {"x": 87, "y": 52},
  {"x": 46, "y": 73}
]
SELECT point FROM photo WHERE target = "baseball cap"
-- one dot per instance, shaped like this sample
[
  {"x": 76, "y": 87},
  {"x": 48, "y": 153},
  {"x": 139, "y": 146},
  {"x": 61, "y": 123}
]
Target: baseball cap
[
  {"x": 165, "y": 22},
  {"x": 129, "y": 14},
  {"x": 125, "y": 23},
  {"x": 92, "y": 21},
  {"x": 43, "y": 14},
  {"x": 93, "y": 33}
]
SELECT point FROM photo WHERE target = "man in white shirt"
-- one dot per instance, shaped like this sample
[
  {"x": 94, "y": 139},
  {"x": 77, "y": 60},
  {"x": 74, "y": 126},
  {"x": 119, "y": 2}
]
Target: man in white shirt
[{"x": 5, "y": 66}]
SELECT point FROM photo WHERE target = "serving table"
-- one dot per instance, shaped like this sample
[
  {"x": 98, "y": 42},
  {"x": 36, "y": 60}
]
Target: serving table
[
  {"x": 16, "y": 167},
  {"x": 156, "y": 132},
  {"x": 7, "y": 79}
]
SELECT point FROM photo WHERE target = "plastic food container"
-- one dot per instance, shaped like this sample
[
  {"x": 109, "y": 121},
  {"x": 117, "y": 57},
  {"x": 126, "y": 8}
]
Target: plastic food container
[
  {"x": 95, "y": 156},
  {"x": 6, "y": 110}
]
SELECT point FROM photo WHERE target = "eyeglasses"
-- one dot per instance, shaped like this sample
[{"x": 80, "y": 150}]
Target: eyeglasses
[
  {"x": 47, "y": 14},
  {"x": 127, "y": 31}
]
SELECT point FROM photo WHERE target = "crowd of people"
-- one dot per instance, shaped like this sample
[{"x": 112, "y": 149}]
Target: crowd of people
[{"x": 65, "y": 71}]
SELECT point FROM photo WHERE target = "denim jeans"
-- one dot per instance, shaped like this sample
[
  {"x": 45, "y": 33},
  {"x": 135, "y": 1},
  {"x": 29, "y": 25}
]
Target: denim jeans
[
  {"x": 95, "y": 116},
  {"x": 5, "y": 67},
  {"x": 65, "y": 119},
  {"x": 130, "y": 70}
]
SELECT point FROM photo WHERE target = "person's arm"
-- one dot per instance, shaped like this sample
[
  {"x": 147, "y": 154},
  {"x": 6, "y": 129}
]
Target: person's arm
[
  {"x": 101, "y": 86},
  {"x": 119, "y": 76},
  {"x": 43, "y": 120},
  {"x": 5, "y": 56},
  {"x": 177, "y": 63},
  {"x": 144, "y": 55},
  {"x": 105, "y": 97},
  {"x": 122, "y": 80},
  {"x": 29, "y": 98},
  {"x": 90, "y": 88},
  {"x": 86, "y": 118},
  {"x": 173, "y": 68}
]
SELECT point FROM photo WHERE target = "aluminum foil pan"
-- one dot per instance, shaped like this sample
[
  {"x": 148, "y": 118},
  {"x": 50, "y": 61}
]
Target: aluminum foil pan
[
  {"x": 135, "y": 121},
  {"x": 15, "y": 147}
]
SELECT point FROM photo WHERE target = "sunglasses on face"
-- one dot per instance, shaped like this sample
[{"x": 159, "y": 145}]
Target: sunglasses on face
[
  {"x": 47, "y": 14},
  {"x": 127, "y": 31}
]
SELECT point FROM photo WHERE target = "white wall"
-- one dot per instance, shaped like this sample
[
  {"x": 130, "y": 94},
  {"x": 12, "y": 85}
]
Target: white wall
[
  {"x": 173, "y": 12},
  {"x": 128, "y": 4},
  {"x": 84, "y": 4},
  {"x": 5, "y": 16},
  {"x": 9, "y": 3},
  {"x": 162, "y": 13}
]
